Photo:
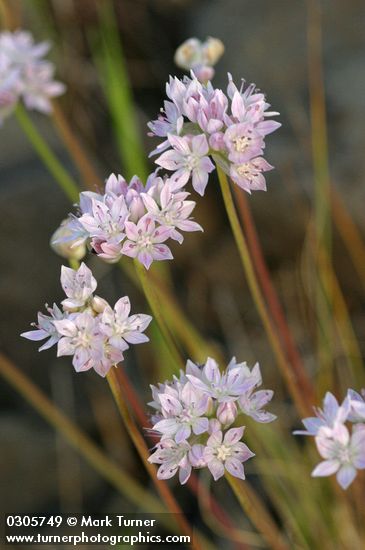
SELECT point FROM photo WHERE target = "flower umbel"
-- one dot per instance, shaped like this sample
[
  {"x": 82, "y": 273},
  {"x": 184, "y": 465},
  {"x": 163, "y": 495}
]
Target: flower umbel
[
  {"x": 87, "y": 327},
  {"x": 132, "y": 219},
  {"x": 192, "y": 414},
  {"x": 199, "y": 121},
  {"x": 25, "y": 75}
]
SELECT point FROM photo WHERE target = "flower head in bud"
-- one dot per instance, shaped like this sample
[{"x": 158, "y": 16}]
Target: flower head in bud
[{"x": 199, "y": 57}]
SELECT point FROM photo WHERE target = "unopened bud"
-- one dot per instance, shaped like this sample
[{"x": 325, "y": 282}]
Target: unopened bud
[
  {"x": 65, "y": 245},
  {"x": 98, "y": 304},
  {"x": 226, "y": 413}
]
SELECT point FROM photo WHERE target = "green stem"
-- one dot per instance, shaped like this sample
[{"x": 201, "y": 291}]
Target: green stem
[
  {"x": 289, "y": 376},
  {"x": 257, "y": 513},
  {"x": 155, "y": 306},
  {"x": 48, "y": 157}
]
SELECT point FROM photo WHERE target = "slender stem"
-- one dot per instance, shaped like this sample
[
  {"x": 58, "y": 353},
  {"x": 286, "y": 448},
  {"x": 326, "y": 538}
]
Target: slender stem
[
  {"x": 289, "y": 375},
  {"x": 271, "y": 296},
  {"x": 143, "y": 452},
  {"x": 322, "y": 207},
  {"x": 349, "y": 233},
  {"x": 155, "y": 306},
  {"x": 122, "y": 481},
  {"x": 75, "y": 149},
  {"x": 257, "y": 513},
  {"x": 50, "y": 160}
]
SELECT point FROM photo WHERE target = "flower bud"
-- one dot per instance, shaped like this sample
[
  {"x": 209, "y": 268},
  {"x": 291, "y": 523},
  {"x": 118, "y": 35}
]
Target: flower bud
[
  {"x": 63, "y": 243},
  {"x": 226, "y": 413},
  {"x": 213, "y": 49},
  {"x": 98, "y": 304},
  {"x": 188, "y": 54}
]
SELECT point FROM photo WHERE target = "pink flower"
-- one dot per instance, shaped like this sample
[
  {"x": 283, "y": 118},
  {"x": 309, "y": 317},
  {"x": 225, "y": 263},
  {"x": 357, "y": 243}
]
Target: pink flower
[
  {"x": 343, "y": 454},
  {"x": 144, "y": 241},
  {"x": 188, "y": 158},
  {"x": 121, "y": 328},
  {"x": 172, "y": 457},
  {"x": 249, "y": 175},
  {"x": 77, "y": 285},
  {"x": 226, "y": 453},
  {"x": 80, "y": 337},
  {"x": 45, "y": 328},
  {"x": 231, "y": 128},
  {"x": 171, "y": 210},
  {"x": 88, "y": 328},
  {"x": 182, "y": 413}
]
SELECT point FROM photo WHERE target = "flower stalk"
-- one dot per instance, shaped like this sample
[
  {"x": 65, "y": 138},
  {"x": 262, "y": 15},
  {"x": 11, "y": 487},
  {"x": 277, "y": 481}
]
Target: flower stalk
[
  {"x": 41, "y": 147},
  {"x": 257, "y": 513},
  {"x": 142, "y": 450},
  {"x": 288, "y": 374}
]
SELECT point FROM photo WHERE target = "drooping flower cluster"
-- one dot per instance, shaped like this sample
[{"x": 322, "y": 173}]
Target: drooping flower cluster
[
  {"x": 132, "y": 219},
  {"x": 199, "y": 121},
  {"x": 24, "y": 74},
  {"x": 87, "y": 327},
  {"x": 343, "y": 450},
  {"x": 194, "y": 414},
  {"x": 199, "y": 56}
]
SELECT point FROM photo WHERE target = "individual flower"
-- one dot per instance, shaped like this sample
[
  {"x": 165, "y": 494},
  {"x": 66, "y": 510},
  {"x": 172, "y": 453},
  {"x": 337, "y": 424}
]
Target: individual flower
[
  {"x": 343, "y": 450},
  {"x": 192, "y": 414},
  {"x": 121, "y": 328},
  {"x": 331, "y": 414},
  {"x": 77, "y": 285},
  {"x": 357, "y": 406},
  {"x": 79, "y": 337},
  {"x": 183, "y": 414},
  {"x": 25, "y": 75},
  {"x": 87, "y": 328},
  {"x": 227, "y": 453},
  {"x": 224, "y": 387},
  {"x": 344, "y": 454},
  {"x": 45, "y": 328},
  {"x": 172, "y": 457},
  {"x": 231, "y": 128},
  {"x": 171, "y": 210},
  {"x": 145, "y": 241},
  {"x": 188, "y": 158}
]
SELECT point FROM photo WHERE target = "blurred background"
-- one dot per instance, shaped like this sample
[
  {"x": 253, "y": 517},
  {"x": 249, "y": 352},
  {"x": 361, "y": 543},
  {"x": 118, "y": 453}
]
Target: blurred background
[{"x": 266, "y": 43}]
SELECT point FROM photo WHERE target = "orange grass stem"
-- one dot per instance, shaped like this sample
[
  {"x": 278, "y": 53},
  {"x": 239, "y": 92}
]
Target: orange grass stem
[
  {"x": 271, "y": 296},
  {"x": 194, "y": 483},
  {"x": 289, "y": 375},
  {"x": 257, "y": 513},
  {"x": 141, "y": 447},
  {"x": 75, "y": 149}
]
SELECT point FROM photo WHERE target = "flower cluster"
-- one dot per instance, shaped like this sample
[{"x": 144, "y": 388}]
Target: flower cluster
[
  {"x": 132, "y": 219},
  {"x": 343, "y": 451},
  {"x": 199, "y": 56},
  {"x": 199, "y": 121},
  {"x": 24, "y": 74},
  {"x": 87, "y": 327},
  {"x": 194, "y": 414}
]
